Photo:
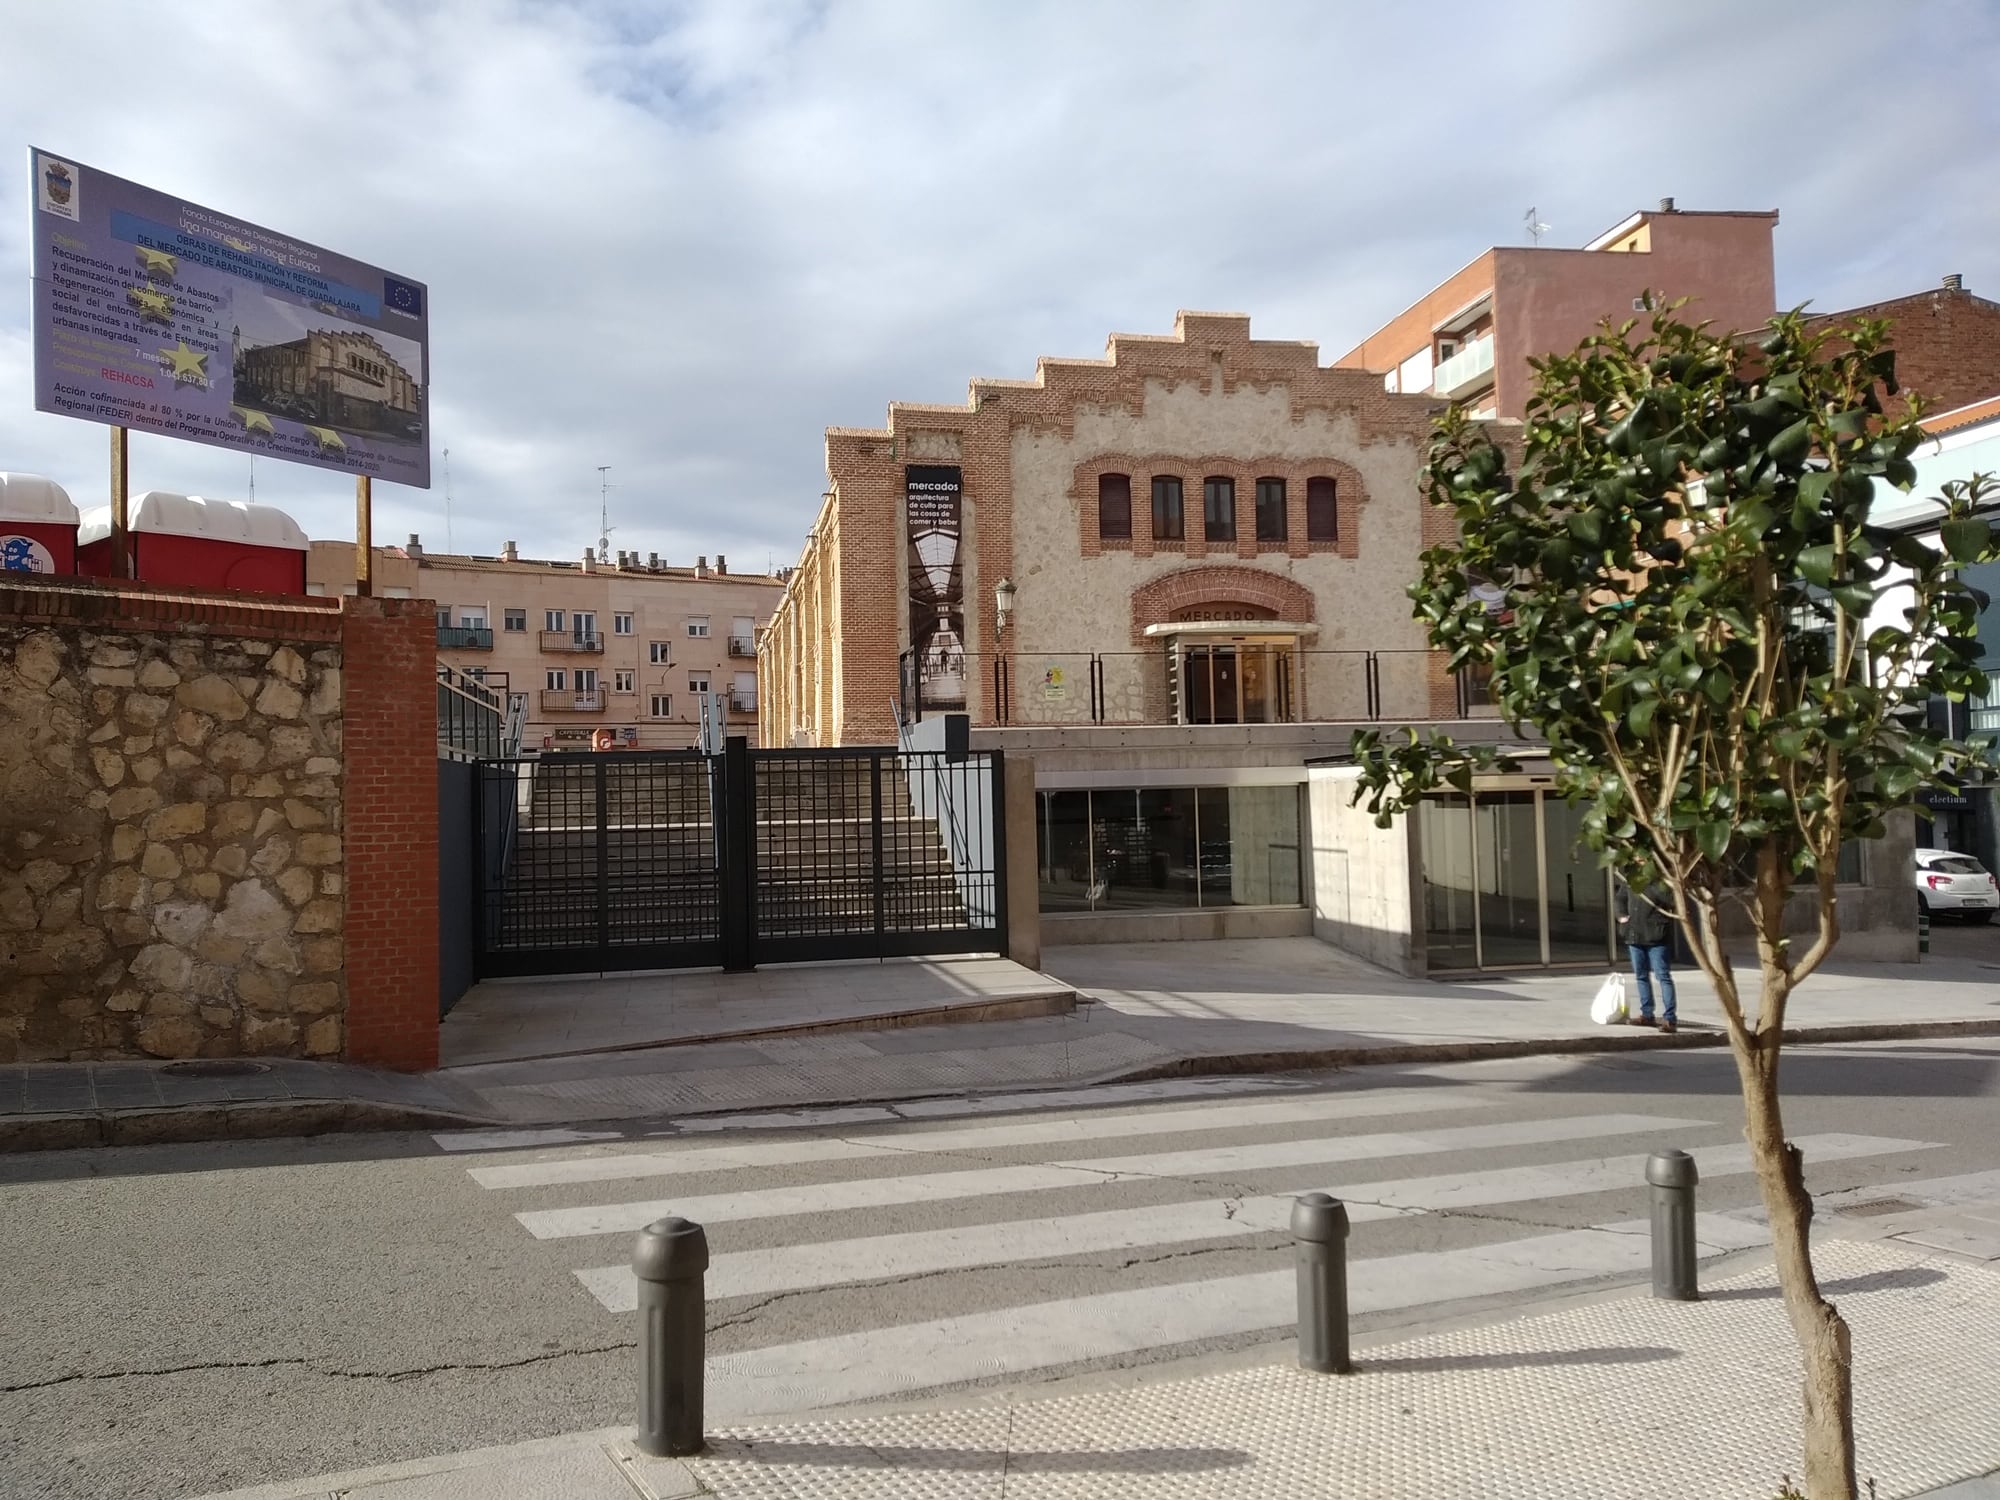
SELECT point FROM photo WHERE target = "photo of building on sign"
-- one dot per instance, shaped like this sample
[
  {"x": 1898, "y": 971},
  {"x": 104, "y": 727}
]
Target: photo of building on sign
[{"x": 334, "y": 377}]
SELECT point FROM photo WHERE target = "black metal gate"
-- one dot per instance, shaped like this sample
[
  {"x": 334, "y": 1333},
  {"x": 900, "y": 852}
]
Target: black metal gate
[{"x": 593, "y": 863}]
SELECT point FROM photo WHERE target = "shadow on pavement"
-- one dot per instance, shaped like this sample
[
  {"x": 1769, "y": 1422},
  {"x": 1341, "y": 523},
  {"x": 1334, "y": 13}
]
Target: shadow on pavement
[
  {"x": 1875, "y": 1281},
  {"x": 1912, "y": 1071},
  {"x": 975, "y": 1460},
  {"x": 1642, "y": 1354}
]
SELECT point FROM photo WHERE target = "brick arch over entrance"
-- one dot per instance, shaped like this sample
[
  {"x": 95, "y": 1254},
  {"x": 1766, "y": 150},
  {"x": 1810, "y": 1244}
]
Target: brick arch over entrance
[{"x": 1155, "y": 603}]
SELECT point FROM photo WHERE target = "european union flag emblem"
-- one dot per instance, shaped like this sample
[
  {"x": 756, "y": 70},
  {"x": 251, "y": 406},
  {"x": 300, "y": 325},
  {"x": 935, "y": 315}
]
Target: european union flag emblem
[{"x": 402, "y": 297}]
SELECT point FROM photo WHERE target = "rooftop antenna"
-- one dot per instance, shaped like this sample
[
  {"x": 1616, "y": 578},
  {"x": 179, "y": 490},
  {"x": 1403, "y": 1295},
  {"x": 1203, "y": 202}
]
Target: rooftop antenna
[
  {"x": 604, "y": 526},
  {"x": 447, "y": 502},
  {"x": 1536, "y": 228}
]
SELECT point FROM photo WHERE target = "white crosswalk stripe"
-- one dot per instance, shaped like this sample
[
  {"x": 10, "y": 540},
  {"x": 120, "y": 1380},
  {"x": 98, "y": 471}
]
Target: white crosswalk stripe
[
  {"x": 931, "y": 1187},
  {"x": 984, "y": 1214},
  {"x": 978, "y": 1138},
  {"x": 880, "y": 1257}
]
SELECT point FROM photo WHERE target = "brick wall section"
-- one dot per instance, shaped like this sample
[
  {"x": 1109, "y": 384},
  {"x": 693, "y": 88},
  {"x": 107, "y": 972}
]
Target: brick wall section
[
  {"x": 390, "y": 651},
  {"x": 1947, "y": 344}
]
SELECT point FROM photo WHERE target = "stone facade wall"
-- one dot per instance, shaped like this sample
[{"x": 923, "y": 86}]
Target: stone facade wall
[{"x": 171, "y": 867}]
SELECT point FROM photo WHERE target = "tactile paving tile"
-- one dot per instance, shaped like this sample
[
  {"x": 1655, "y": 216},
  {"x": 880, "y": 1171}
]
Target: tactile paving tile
[{"x": 1631, "y": 1399}]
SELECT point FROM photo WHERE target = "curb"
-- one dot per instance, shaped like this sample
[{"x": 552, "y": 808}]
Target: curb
[
  {"x": 249, "y": 1120},
  {"x": 265, "y": 1119},
  {"x": 1317, "y": 1058}
]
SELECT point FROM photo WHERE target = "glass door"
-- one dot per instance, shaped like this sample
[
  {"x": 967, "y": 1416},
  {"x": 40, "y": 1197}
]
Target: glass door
[
  {"x": 1578, "y": 889},
  {"x": 1510, "y": 878},
  {"x": 1450, "y": 915}
]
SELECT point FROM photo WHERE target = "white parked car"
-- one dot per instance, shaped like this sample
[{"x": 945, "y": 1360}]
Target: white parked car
[{"x": 1948, "y": 881}]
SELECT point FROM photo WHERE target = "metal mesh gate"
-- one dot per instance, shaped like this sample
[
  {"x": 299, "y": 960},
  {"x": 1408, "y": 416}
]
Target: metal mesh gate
[
  {"x": 643, "y": 860},
  {"x": 597, "y": 862}
]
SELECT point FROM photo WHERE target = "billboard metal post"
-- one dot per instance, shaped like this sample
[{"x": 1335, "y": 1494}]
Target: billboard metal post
[
  {"x": 364, "y": 536},
  {"x": 121, "y": 551}
]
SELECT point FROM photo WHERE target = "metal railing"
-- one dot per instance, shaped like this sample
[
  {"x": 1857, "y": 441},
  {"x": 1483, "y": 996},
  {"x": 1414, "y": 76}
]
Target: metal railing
[
  {"x": 471, "y": 716},
  {"x": 1283, "y": 686},
  {"x": 571, "y": 701},
  {"x": 742, "y": 703},
  {"x": 465, "y": 637},
  {"x": 569, "y": 640},
  {"x": 743, "y": 645}
]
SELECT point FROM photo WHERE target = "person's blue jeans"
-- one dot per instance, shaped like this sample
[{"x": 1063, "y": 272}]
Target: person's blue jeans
[{"x": 1652, "y": 961}]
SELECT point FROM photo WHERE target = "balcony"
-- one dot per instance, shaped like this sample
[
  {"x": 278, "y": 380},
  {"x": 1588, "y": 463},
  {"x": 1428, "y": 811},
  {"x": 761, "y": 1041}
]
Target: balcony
[
  {"x": 566, "y": 640},
  {"x": 742, "y": 702},
  {"x": 1465, "y": 370},
  {"x": 571, "y": 701},
  {"x": 743, "y": 645},
  {"x": 465, "y": 637}
]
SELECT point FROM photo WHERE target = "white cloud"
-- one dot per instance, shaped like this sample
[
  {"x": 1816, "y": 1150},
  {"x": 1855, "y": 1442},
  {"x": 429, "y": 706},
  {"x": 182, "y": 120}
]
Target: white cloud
[{"x": 683, "y": 239}]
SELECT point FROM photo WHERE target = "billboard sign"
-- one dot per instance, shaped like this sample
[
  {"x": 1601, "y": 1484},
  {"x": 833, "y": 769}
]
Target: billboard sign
[
  {"x": 931, "y": 494},
  {"x": 166, "y": 317}
]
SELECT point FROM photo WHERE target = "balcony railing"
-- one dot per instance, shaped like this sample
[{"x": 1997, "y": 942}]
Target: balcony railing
[
  {"x": 465, "y": 637},
  {"x": 742, "y": 703},
  {"x": 569, "y": 640},
  {"x": 1285, "y": 685},
  {"x": 743, "y": 645},
  {"x": 570, "y": 701},
  {"x": 1465, "y": 369}
]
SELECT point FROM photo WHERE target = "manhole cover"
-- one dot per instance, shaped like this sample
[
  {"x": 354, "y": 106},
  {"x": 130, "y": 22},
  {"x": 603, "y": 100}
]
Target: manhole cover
[
  {"x": 220, "y": 1067},
  {"x": 1876, "y": 1206}
]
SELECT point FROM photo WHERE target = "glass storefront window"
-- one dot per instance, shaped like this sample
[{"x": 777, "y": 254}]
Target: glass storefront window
[{"x": 1169, "y": 848}]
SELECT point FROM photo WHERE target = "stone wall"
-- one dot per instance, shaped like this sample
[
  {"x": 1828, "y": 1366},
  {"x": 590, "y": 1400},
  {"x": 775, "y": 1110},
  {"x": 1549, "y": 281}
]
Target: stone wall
[{"x": 171, "y": 870}]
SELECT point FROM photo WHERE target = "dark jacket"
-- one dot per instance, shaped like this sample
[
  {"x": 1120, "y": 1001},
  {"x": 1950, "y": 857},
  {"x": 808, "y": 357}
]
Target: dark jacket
[{"x": 1646, "y": 918}]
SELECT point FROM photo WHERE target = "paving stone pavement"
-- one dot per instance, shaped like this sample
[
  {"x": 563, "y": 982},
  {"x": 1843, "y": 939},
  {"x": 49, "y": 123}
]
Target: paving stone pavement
[{"x": 1616, "y": 1399}]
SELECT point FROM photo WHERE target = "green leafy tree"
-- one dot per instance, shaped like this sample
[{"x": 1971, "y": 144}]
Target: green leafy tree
[{"x": 1694, "y": 622}]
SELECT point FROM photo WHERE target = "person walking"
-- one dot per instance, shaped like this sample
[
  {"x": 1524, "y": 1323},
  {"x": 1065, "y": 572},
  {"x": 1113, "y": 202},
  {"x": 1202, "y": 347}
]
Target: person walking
[{"x": 1646, "y": 922}]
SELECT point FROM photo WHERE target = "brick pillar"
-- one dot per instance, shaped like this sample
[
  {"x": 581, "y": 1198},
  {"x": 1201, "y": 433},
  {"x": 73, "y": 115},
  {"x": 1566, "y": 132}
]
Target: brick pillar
[{"x": 389, "y": 671}]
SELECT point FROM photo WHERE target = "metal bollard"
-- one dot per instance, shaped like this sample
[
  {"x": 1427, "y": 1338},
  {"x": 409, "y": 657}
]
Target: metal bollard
[
  {"x": 669, "y": 1260},
  {"x": 1319, "y": 1232},
  {"x": 1672, "y": 1176},
  {"x": 1923, "y": 931}
]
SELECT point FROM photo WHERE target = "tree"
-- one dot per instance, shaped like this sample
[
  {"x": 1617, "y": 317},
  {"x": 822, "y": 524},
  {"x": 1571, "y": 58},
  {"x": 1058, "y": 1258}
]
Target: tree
[{"x": 1694, "y": 597}]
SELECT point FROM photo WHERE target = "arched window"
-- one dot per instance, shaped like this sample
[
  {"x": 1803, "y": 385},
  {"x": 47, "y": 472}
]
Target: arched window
[
  {"x": 1218, "y": 508},
  {"x": 1114, "y": 507},
  {"x": 1322, "y": 514},
  {"x": 1271, "y": 510}
]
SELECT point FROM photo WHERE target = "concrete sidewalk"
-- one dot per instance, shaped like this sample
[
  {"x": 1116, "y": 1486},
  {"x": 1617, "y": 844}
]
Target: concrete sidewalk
[
  {"x": 1608, "y": 1397},
  {"x": 1151, "y": 1011}
]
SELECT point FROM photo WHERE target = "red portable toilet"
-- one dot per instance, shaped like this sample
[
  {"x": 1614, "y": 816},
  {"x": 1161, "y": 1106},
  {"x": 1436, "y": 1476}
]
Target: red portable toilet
[
  {"x": 191, "y": 542},
  {"x": 37, "y": 526}
]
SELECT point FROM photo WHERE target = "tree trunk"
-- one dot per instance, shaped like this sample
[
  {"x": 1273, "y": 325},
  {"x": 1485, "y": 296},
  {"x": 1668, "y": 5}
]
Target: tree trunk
[{"x": 1824, "y": 1344}]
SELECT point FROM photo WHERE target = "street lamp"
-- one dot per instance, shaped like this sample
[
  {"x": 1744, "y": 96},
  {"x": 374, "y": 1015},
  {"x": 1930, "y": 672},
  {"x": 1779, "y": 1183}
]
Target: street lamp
[{"x": 1003, "y": 606}]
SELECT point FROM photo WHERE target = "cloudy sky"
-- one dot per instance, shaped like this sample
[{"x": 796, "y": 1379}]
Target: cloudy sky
[{"x": 682, "y": 238}]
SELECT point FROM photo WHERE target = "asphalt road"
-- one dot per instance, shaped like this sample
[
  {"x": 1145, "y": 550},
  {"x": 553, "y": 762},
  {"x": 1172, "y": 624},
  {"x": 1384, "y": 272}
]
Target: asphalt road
[{"x": 181, "y": 1320}]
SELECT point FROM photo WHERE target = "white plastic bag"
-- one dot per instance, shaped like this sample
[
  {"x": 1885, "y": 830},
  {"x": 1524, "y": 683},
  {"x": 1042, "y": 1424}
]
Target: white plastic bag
[{"x": 1608, "y": 1008}]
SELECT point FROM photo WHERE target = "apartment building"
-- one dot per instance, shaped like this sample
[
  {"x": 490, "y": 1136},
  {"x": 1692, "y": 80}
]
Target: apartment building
[
  {"x": 1469, "y": 339},
  {"x": 625, "y": 644}
]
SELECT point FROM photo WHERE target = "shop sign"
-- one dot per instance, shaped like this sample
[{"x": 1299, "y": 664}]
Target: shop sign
[{"x": 1221, "y": 614}]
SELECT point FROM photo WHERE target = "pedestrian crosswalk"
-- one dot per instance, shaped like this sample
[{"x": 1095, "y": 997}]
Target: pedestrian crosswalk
[{"x": 982, "y": 1201}]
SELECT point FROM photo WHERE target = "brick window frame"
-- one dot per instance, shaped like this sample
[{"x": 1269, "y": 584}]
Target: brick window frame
[
  {"x": 1350, "y": 495},
  {"x": 1114, "y": 508}
]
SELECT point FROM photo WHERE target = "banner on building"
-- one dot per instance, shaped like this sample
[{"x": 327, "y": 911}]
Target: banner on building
[
  {"x": 166, "y": 317},
  {"x": 931, "y": 494}
]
